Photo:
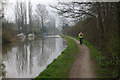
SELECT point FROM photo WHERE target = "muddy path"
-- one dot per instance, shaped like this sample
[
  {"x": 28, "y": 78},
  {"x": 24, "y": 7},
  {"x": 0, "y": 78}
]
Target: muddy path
[{"x": 83, "y": 66}]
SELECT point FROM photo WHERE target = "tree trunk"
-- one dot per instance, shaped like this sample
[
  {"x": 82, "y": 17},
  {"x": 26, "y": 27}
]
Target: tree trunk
[
  {"x": 100, "y": 24},
  {"x": 118, "y": 9}
]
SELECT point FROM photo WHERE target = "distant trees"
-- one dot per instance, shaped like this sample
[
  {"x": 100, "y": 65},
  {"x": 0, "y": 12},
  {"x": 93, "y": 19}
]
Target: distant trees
[
  {"x": 46, "y": 22},
  {"x": 63, "y": 24},
  {"x": 51, "y": 25},
  {"x": 99, "y": 22},
  {"x": 28, "y": 22}
]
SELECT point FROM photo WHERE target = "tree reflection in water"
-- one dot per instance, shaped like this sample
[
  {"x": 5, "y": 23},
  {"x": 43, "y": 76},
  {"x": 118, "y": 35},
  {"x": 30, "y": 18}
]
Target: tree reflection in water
[{"x": 27, "y": 59}]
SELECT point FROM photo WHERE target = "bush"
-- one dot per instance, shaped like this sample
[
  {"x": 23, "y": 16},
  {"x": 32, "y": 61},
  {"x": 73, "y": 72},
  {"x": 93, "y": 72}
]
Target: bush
[{"x": 8, "y": 32}]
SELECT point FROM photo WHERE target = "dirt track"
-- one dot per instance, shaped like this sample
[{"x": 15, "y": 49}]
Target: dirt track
[{"x": 83, "y": 66}]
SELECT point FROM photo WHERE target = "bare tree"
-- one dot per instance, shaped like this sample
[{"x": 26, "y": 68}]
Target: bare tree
[
  {"x": 30, "y": 15},
  {"x": 42, "y": 13},
  {"x": 75, "y": 10},
  {"x": 51, "y": 25},
  {"x": 63, "y": 22},
  {"x": 21, "y": 15},
  {"x": 37, "y": 21},
  {"x": 3, "y": 4}
]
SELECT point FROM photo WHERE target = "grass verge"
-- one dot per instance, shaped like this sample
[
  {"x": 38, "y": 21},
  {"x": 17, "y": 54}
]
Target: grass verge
[{"x": 60, "y": 67}]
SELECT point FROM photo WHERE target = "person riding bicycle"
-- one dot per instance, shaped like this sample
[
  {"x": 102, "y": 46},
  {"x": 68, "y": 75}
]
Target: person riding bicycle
[{"x": 80, "y": 37}]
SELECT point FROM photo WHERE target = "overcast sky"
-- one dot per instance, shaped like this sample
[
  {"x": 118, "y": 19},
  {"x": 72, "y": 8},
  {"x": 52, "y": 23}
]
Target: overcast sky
[{"x": 9, "y": 12}]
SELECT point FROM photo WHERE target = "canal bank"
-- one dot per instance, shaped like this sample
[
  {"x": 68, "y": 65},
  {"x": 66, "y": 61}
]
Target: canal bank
[{"x": 60, "y": 67}]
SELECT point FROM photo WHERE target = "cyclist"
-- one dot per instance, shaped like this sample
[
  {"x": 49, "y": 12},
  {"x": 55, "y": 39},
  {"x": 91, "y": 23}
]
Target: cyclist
[{"x": 80, "y": 37}]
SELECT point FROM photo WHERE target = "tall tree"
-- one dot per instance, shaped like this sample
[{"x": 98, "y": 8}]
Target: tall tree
[
  {"x": 42, "y": 14},
  {"x": 21, "y": 15},
  {"x": 30, "y": 16}
]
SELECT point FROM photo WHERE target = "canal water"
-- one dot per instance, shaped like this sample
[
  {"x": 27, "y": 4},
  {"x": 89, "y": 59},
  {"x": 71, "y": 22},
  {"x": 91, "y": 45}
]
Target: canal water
[{"x": 27, "y": 59}]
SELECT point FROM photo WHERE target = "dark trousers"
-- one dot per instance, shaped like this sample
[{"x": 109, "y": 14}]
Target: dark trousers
[{"x": 81, "y": 41}]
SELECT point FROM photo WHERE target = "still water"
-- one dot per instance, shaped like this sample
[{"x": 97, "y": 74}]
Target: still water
[{"x": 26, "y": 59}]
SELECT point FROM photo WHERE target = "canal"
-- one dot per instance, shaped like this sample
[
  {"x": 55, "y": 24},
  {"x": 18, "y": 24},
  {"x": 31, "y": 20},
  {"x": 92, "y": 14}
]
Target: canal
[{"x": 28, "y": 58}]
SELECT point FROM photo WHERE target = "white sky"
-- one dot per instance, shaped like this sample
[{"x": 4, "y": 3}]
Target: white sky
[{"x": 9, "y": 12}]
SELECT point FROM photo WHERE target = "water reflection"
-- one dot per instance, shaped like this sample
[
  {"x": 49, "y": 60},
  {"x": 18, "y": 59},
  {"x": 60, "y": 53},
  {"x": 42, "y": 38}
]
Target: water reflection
[{"x": 27, "y": 59}]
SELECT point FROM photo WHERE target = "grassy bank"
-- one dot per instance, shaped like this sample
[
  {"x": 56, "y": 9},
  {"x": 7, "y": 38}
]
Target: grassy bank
[
  {"x": 105, "y": 68},
  {"x": 60, "y": 67}
]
